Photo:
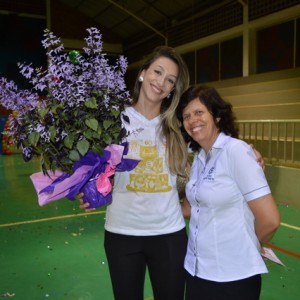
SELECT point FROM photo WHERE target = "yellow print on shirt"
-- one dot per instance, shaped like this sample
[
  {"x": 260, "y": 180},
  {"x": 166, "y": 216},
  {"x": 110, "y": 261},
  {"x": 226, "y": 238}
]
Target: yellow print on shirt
[{"x": 148, "y": 176}]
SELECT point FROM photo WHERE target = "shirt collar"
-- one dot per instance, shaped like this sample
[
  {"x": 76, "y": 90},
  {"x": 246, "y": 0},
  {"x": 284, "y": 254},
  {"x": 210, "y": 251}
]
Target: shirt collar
[
  {"x": 219, "y": 144},
  {"x": 220, "y": 141}
]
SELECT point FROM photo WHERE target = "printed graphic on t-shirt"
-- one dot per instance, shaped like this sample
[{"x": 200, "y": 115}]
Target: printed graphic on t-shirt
[{"x": 149, "y": 175}]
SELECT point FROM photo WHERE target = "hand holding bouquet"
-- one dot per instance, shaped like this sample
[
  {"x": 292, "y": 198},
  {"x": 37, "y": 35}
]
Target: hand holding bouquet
[{"x": 72, "y": 119}]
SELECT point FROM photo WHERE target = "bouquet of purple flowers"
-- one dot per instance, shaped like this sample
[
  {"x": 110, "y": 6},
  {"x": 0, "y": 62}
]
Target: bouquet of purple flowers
[{"x": 72, "y": 119}]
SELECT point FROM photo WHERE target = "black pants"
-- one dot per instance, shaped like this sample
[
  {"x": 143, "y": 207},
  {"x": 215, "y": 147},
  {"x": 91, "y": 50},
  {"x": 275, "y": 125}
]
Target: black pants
[
  {"x": 201, "y": 289},
  {"x": 163, "y": 255}
]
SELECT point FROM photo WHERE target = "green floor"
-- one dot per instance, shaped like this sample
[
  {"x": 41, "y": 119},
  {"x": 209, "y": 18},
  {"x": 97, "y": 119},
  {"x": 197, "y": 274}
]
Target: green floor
[{"x": 56, "y": 251}]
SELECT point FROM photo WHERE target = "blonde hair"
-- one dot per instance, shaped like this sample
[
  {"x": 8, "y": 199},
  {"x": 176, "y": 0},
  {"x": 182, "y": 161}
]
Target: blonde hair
[{"x": 170, "y": 126}]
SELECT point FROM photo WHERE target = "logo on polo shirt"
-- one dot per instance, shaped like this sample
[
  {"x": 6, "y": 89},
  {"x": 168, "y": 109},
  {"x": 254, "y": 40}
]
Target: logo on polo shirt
[{"x": 210, "y": 176}]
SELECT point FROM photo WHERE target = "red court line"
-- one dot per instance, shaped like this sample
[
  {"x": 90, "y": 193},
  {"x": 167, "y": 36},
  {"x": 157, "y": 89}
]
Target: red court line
[{"x": 284, "y": 251}]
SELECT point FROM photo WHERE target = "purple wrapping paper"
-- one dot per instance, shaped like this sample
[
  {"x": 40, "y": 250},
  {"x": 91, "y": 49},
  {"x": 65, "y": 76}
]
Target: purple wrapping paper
[{"x": 92, "y": 176}]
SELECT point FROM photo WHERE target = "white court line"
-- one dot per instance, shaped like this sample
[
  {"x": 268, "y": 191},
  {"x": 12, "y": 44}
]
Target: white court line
[
  {"x": 290, "y": 226},
  {"x": 93, "y": 213},
  {"x": 52, "y": 218}
]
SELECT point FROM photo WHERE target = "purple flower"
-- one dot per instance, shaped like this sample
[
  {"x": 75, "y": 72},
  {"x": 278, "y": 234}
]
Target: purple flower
[{"x": 73, "y": 106}]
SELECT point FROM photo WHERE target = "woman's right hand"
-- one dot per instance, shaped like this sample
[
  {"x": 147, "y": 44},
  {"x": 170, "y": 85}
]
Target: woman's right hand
[{"x": 82, "y": 204}]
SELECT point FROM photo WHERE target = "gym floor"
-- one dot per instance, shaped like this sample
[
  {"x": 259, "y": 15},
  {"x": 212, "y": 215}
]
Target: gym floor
[{"x": 56, "y": 251}]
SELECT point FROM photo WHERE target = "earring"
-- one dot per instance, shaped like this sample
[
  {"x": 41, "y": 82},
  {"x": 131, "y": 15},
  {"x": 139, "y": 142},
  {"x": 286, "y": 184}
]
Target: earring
[
  {"x": 141, "y": 79},
  {"x": 171, "y": 95}
]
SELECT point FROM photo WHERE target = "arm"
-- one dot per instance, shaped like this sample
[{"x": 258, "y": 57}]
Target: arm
[
  {"x": 185, "y": 208},
  {"x": 267, "y": 217},
  {"x": 181, "y": 183}
]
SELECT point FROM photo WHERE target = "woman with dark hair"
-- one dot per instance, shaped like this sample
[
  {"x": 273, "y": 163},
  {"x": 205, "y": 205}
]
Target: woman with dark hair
[{"x": 232, "y": 210}]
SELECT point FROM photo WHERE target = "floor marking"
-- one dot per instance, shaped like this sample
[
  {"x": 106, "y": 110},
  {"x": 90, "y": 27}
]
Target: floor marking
[
  {"x": 103, "y": 212},
  {"x": 93, "y": 213},
  {"x": 290, "y": 226},
  {"x": 53, "y": 218},
  {"x": 284, "y": 251}
]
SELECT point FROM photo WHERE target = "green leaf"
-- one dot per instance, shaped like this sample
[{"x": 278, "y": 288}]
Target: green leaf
[
  {"x": 83, "y": 146},
  {"x": 67, "y": 163},
  {"x": 92, "y": 123},
  {"x": 74, "y": 155},
  {"x": 107, "y": 123},
  {"x": 115, "y": 113},
  {"x": 96, "y": 135},
  {"x": 99, "y": 131},
  {"x": 107, "y": 139},
  {"x": 33, "y": 138},
  {"x": 88, "y": 134},
  {"x": 97, "y": 148},
  {"x": 43, "y": 112},
  {"x": 92, "y": 103},
  {"x": 45, "y": 163},
  {"x": 116, "y": 136},
  {"x": 69, "y": 140},
  {"x": 52, "y": 132},
  {"x": 55, "y": 107}
]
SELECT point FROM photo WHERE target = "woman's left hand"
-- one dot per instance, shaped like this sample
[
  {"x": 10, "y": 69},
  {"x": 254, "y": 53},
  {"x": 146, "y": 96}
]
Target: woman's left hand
[{"x": 267, "y": 217}]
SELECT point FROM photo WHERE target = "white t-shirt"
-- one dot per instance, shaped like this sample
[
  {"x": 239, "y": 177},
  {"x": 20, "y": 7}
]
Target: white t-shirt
[
  {"x": 145, "y": 200},
  {"x": 222, "y": 242}
]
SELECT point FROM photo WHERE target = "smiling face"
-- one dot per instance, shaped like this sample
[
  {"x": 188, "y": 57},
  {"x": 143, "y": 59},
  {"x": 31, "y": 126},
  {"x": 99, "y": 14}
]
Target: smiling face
[
  {"x": 200, "y": 124},
  {"x": 159, "y": 80}
]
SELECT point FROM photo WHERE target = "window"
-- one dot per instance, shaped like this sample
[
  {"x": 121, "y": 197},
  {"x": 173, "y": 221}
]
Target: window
[
  {"x": 189, "y": 59},
  {"x": 220, "y": 61},
  {"x": 297, "y": 43},
  {"x": 207, "y": 64},
  {"x": 275, "y": 47},
  {"x": 232, "y": 58}
]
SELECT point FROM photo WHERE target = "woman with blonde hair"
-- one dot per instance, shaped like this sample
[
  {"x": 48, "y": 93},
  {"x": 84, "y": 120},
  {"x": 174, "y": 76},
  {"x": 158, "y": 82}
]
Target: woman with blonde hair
[{"x": 144, "y": 227}]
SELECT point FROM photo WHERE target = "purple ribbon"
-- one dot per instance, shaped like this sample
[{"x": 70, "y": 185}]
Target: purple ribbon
[{"x": 92, "y": 176}]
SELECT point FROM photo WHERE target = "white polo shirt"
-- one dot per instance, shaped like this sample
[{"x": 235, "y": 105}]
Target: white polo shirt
[{"x": 222, "y": 242}]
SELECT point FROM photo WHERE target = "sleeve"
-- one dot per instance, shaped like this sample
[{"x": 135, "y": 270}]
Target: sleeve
[{"x": 246, "y": 171}]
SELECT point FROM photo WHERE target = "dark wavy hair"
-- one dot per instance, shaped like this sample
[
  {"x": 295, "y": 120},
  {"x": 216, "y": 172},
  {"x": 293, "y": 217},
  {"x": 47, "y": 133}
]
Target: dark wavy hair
[{"x": 217, "y": 107}]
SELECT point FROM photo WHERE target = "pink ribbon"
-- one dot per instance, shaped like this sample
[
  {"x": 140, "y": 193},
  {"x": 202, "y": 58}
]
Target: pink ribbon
[{"x": 103, "y": 183}]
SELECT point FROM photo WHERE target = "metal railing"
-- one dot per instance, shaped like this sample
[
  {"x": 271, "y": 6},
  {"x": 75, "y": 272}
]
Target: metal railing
[{"x": 277, "y": 140}]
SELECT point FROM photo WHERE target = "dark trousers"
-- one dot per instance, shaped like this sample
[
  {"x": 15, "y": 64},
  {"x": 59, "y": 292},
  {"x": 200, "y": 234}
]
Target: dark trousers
[
  {"x": 201, "y": 289},
  {"x": 163, "y": 255}
]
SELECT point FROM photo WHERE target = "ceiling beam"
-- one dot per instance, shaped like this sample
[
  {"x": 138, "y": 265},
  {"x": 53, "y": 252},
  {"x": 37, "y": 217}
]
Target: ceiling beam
[
  {"x": 139, "y": 19},
  {"x": 155, "y": 9}
]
